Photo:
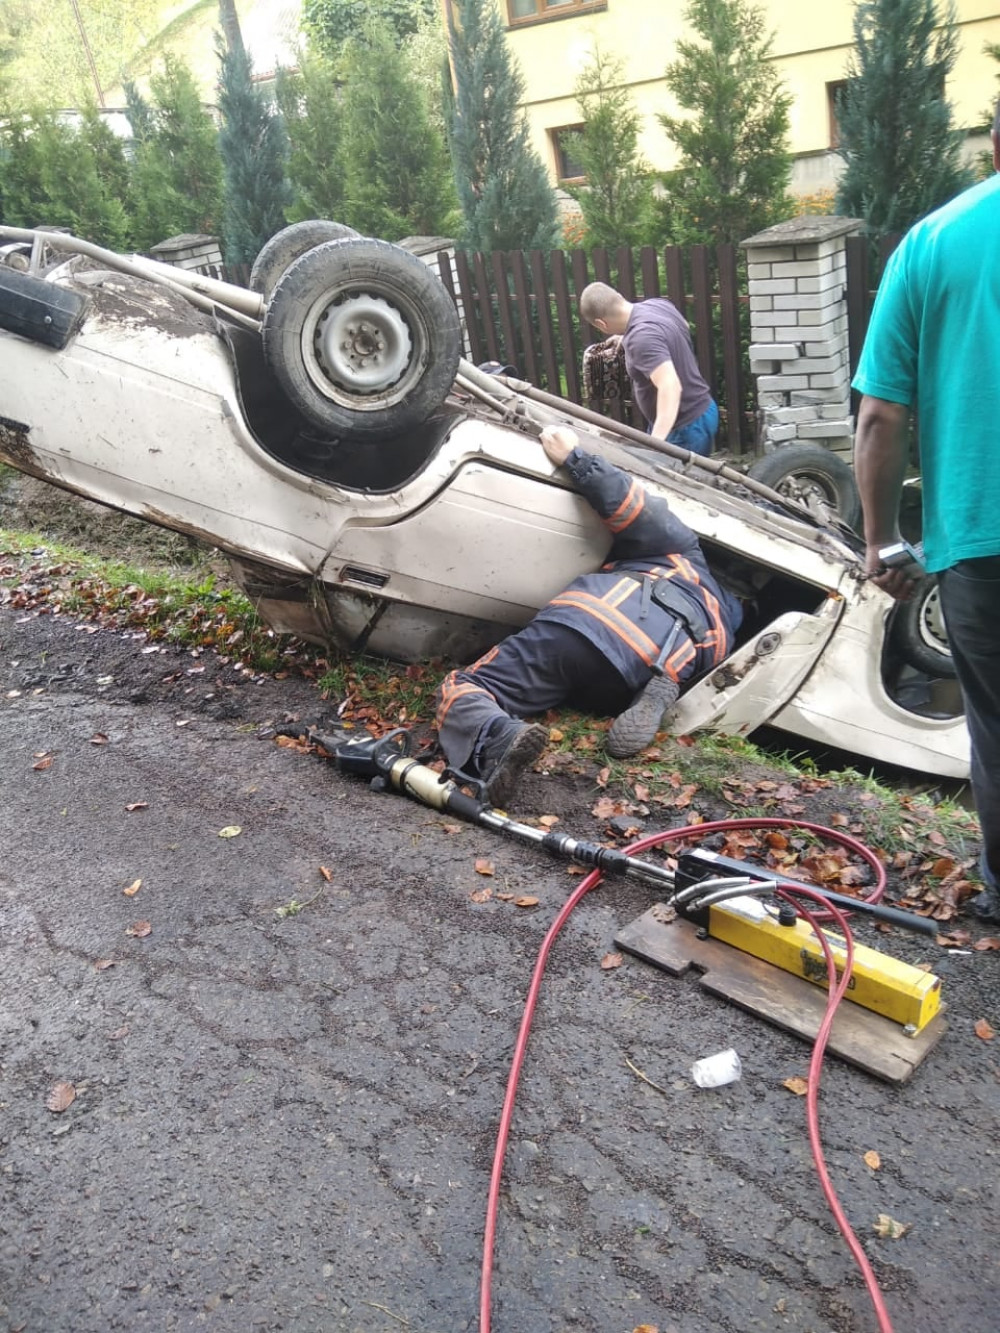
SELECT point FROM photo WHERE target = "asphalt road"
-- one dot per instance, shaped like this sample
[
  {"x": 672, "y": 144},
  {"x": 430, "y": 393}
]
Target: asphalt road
[{"x": 286, "y": 1122}]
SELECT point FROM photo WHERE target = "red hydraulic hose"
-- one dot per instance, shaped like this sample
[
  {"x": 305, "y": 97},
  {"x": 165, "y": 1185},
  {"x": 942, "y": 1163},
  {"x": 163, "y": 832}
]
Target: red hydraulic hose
[
  {"x": 521, "y": 1044},
  {"x": 837, "y": 990}
]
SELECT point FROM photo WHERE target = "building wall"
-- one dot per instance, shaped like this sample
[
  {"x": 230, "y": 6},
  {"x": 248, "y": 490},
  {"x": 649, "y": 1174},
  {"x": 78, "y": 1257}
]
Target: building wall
[{"x": 811, "y": 47}]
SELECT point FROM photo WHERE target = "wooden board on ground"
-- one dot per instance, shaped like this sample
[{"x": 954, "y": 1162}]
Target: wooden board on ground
[{"x": 862, "y": 1038}]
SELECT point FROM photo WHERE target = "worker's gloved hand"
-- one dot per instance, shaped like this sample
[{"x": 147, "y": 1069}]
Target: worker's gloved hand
[{"x": 558, "y": 443}]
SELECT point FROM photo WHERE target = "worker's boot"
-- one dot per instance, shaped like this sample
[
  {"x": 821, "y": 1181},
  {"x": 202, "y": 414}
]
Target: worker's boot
[
  {"x": 636, "y": 728},
  {"x": 503, "y": 757},
  {"x": 985, "y": 906}
]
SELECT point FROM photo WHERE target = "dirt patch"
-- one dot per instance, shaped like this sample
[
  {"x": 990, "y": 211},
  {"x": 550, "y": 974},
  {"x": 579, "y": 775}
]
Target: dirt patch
[{"x": 28, "y": 503}]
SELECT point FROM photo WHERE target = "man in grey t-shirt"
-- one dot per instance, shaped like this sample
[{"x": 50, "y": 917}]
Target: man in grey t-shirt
[{"x": 660, "y": 359}]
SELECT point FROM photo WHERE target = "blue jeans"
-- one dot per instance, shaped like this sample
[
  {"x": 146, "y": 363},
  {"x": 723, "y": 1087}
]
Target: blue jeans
[
  {"x": 698, "y": 435},
  {"x": 970, "y": 603}
]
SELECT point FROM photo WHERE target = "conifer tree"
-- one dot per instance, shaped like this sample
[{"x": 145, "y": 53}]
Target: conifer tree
[
  {"x": 617, "y": 196},
  {"x": 507, "y": 201},
  {"x": 176, "y": 169},
  {"x": 333, "y": 23},
  {"x": 312, "y": 107},
  {"x": 903, "y": 156},
  {"x": 254, "y": 148},
  {"x": 732, "y": 178},
  {"x": 52, "y": 177},
  {"x": 399, "y": 179}
]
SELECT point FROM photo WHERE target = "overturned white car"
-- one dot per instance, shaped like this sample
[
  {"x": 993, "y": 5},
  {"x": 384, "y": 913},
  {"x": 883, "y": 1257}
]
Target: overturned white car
[{"x": 374, "y": 491}]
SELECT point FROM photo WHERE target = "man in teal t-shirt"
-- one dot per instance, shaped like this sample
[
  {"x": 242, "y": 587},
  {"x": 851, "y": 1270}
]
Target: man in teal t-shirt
[{"x": 933, "y": 345}]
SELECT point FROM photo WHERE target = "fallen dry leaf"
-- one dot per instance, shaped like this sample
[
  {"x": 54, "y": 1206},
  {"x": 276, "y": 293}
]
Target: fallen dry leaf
[
  {"x": 889, "y": 1228},
  {"x": 326, "y": 873},
  {"x": 98, "y": 738},
  {"x": 484, "y": 866},
  {"x": 481, "y": 895},
  {"x": 602, "y": 777},
  {"x": 611, "y": 960},
  {"x": 43, "y": 763},
  {"x": 133, "y": 888},
  {"x": 139, "y": 929},
  {"x": 102, "y": 964},
  {"x": 60, "y": 1096},
  {"x": 646, "y": 1328},
  {"x": 872, "y": 1159},
  {"x": 548, "y": 821},
  {"x": 987, "y": 942},
  {"x": 118, "y": 1033},
  {"x": 555, "y": 735},
  {"x": 137, "y": 805},
  {"x": 451, "y": 828},
  {"x": 526, "y": 900},
  {"x": 505, "y": 897},
  {"x": 983, "y": 1030},
  {"x": 796, "y": 1084},
  {"x": 230, "y": 831}
]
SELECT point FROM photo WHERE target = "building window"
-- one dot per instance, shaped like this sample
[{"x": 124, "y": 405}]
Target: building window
[
  {"x": 834, "y": 92},
  {"x": 566, "y": 150},
  {"x": 534, "y": 11}
]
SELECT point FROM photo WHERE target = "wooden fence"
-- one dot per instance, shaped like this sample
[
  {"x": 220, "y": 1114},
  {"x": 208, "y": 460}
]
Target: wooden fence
[{"x": 520, "y": 308}]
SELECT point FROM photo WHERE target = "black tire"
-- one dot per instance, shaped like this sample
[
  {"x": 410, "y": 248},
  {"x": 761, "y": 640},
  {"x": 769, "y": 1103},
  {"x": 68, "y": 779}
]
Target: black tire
[
  {"x": 796, "y": 470},
  {"x": 917, "y": 634},
  {"x": 287, "y": 245},
  {"x": 363, "y": 338}
]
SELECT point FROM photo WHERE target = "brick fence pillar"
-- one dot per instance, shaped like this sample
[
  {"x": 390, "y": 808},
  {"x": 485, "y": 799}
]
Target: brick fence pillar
[{"x": 798, "y": 331}]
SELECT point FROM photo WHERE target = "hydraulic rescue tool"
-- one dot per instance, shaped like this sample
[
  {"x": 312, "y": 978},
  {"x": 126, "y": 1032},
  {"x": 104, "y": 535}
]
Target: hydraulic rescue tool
[{"x": 720, "y": 895}]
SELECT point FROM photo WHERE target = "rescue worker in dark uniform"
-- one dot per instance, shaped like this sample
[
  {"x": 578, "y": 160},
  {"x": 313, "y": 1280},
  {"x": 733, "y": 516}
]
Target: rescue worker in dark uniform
[{"x": 619, "y": 642}]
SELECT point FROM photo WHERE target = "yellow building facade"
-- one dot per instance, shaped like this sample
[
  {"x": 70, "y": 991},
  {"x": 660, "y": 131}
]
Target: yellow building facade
[{"x": 553, "y": 39}]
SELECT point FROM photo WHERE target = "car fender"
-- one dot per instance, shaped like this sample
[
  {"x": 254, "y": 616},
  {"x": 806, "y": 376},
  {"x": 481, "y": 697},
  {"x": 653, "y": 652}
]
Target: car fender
[{"x": 760, "y": 677}]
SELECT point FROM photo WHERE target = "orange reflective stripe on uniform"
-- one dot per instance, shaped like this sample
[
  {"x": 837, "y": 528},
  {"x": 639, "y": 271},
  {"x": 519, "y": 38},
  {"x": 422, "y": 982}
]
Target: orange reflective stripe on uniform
[
  {"x": 452, "y": 690},
  {"x": 629, "y": 509},
  {"x": 613, "y": 619},
  {"x": 679, "y": 659},
  {"x": 621, "y": 592}
]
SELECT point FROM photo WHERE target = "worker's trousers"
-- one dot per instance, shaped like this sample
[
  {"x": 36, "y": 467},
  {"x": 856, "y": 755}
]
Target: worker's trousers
[{"x": 545, "y": 665}]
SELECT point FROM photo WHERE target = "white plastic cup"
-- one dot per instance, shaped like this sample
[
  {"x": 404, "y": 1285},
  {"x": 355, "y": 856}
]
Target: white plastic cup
[{"x": 715, "y": 1071}]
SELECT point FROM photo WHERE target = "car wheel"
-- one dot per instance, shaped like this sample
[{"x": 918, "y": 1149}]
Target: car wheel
[
  {"x": 917, "y": 634},
  {"x": 363, "y": 338},
  {"x": 287, "y": 245},
  {"x": 810, "y": 471}
]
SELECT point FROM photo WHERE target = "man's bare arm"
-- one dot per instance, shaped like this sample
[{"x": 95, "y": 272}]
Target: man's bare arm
[
  {"x": 668, "y": 399},
  {"x": 880, "y": 457}
]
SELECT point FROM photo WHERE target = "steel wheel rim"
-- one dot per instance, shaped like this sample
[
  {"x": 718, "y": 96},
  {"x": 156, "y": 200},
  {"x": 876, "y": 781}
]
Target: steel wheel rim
[{"x": 358, "y": 346}]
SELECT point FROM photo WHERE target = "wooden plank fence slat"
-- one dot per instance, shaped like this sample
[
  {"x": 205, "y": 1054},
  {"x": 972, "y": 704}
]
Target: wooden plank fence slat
[
  {"x": 485, "y": 307},
  {"x": 732, "y": 346},
  {"x": 546, "y": 333},
  {"x": 702, "y": 292},
  {"x": 466, "y": 287},
  {"x": 581, "y": 279},
  {"x": 673, "y": 259},
  {"x": 602, "y": 265},
  {"x": 528, "y": 365},
  {"x": 626, "y": 272},
  {"x": 650, "y": 271},
  {"x": 511, "y": 352},
  {"x": 564, "y": 311}
]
